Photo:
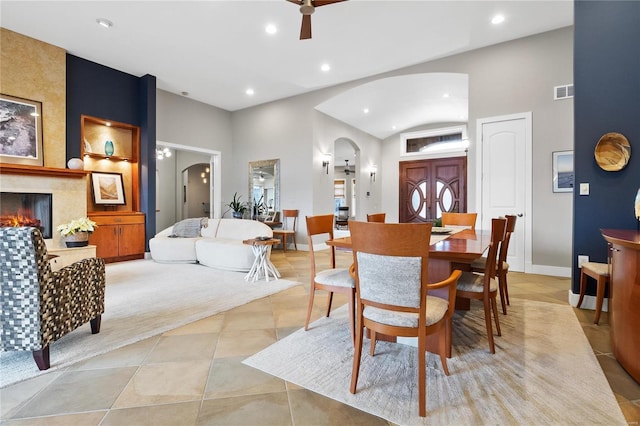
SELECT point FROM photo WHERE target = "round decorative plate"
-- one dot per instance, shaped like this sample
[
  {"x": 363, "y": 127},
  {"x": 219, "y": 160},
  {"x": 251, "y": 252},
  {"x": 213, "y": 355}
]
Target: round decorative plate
[{"x": 613, "y": 152}]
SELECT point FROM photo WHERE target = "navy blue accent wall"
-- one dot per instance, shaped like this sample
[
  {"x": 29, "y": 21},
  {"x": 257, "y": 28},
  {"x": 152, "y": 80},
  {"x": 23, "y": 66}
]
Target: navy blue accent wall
[
  {"x": 607, "y": 99},
  {"x": 147, "y": 153},
  {"x": 99, "y": 91}
]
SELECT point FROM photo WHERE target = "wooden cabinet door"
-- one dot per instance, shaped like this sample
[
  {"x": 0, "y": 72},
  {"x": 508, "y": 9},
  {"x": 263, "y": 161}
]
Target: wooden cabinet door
[
  {"x": 131, "y": 239},
  {"x": 105, "y": 238}
]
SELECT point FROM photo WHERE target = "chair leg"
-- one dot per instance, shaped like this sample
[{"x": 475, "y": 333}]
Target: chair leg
[
  {"x": 352, "y": 316},
  {"x": 41, "y": 357},
  {"x": 312, "y": 292},
  {"x": 506, "y": 288},
  {"x": 502, "y": 285},
  {"x": 422, "y": 374},
  {"x": 442, "y": 340},
  {"x": 583, "y": 287},
  {"x": 95, "y": 324},
  {"x": 357, "y": 354},
  {"x": 329, "y": 301},
  {"x": 487, "y": 320},
  {"x": 284, "y": 243},
  {"x": 602, "y": 282},
  {"x": 372, "y": 348},
  {"x": 494, "y": 306}
]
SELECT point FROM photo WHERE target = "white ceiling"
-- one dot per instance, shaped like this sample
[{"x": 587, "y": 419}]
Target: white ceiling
[{"x": 215, "y": 50}]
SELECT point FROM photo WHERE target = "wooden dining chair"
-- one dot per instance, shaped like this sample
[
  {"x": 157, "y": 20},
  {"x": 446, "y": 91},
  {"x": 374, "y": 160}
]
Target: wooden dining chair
[
  {"x": 332, "y": 280},
  {"x": 502, "y": 266},
  {"x": 484, "y": 287},
  {"x": 289, "y": 228},
  {"x": 376, "y": 217},
  {"x": 600, "y": 273},
  {"x": 459, "y": 219},
  {"x": 391, "y": 270}
]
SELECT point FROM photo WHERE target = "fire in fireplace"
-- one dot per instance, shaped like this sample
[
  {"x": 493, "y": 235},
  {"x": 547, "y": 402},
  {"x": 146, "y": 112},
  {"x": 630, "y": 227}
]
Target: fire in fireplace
[{"x": 27, "y": 209}]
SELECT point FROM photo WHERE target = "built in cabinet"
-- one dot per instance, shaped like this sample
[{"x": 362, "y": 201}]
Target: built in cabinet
[{"x": 110, "y": 147}]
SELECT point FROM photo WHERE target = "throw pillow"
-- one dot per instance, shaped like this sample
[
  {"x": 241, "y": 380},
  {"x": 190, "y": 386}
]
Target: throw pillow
[{"x": 189, "y": 228}]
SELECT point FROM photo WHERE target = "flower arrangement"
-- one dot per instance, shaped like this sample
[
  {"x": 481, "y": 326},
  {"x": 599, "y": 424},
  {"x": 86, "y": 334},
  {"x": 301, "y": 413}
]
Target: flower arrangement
[{"x": 84, "y": 224}]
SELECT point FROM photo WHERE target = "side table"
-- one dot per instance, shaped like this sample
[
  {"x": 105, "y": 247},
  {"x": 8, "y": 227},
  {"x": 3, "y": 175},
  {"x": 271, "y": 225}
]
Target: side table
[{"x": 262, "y": 265}]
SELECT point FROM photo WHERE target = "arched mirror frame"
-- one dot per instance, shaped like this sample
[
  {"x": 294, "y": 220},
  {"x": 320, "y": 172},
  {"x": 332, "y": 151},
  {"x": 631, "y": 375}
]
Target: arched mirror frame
[{"x": 265, "y": 165}]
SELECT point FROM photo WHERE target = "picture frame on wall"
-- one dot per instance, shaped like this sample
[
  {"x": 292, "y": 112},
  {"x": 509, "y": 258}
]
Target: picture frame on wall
[
  {"x": 107, "y": 188},
  {"x": 20, "y": 131},
  {"x": 563, "y": 174}
]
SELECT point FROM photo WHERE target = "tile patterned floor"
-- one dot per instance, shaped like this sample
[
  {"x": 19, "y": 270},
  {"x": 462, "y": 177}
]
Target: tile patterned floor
[{"x": 194, "y": 375}]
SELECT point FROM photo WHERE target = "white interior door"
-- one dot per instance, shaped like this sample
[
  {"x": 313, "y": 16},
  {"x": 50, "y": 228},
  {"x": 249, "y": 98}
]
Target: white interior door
[{"x": 504, "y": 157}]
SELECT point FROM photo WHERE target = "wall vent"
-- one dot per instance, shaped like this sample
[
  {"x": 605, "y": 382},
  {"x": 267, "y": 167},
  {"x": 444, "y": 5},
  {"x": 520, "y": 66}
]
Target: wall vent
[{"x": 563, "y": 92}]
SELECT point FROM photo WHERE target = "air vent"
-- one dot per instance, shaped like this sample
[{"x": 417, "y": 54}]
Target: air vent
[{"x": 563, "y": 92}]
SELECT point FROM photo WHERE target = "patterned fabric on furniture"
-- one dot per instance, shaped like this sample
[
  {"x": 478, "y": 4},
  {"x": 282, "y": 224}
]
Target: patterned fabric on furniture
[{"x": 39, "y": 306}]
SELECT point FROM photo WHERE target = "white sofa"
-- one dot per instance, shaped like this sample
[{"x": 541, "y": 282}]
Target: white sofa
[{"x": 219, "y": 244}]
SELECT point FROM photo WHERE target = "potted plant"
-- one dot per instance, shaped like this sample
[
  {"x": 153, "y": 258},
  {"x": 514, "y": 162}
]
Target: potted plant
[
  {"x": 238, "y": 207},
  {"x": 76, "y": 233}
]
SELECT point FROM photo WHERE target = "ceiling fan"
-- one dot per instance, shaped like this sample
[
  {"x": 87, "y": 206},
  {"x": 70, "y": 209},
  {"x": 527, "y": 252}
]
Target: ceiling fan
[
  {"x": 307, "y": 7},
  {"x": 347, "y": 170}
]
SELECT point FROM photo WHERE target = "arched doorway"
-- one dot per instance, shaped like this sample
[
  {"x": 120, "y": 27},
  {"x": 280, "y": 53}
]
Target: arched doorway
[{"x": 346, "y": 165}]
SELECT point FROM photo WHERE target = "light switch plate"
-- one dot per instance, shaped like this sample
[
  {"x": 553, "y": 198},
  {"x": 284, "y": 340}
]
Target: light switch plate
[
  {"x": 582, "y": 259},
  {"x": 584, "y": 189}
]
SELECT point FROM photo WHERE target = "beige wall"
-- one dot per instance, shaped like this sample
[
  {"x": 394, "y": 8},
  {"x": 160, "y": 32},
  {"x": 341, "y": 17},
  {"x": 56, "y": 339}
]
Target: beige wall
[{"x": 34, "y": 70}]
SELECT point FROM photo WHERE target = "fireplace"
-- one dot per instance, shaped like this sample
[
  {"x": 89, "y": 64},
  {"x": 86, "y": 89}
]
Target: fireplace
[{"x": 27, "y": 209}]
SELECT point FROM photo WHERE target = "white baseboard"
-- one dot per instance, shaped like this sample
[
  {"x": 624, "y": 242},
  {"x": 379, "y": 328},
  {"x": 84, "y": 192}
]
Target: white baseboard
[
  {"x": 554, "y": 271},
  {"x": 589, "y": 302}
]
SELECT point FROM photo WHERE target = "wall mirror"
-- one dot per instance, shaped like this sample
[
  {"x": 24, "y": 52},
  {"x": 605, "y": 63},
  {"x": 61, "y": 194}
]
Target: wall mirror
[{"x": 264, "y": 188}]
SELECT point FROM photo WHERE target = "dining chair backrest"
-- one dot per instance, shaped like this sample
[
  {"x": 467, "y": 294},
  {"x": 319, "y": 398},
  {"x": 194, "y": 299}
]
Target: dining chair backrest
[
  {"x": 504, "y": 246},
  {"x": 319, "y": 225},
  {"x": 459, "y": 219},
  {"x": 376, "y": 217},
  {"x": 290, "y": 220},
  {"x": 391, "y": 263},
  {"x": 498, "y": 231}
]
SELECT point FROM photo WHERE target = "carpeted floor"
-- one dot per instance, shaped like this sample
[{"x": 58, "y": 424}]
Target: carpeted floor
[
  {"x": 144, "y": 298},
  {"x": 544, "y": 371}
]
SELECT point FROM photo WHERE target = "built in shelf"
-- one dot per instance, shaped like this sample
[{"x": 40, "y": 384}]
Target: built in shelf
[{"x": 25, "y": 170}]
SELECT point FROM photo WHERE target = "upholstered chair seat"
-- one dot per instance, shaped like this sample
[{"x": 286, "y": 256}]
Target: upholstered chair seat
[
  {"x": 436, "y": 310},
  {"x": 472, "y": 282},
  {"x": 338, "y": 277}
]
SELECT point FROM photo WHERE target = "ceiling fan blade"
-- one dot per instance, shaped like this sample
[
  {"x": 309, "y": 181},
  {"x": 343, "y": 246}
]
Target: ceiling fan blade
[
  {"x": 318, "y": 3},
  {"x": 305, "y": 30},
  {"x": 298, "y": 2}
]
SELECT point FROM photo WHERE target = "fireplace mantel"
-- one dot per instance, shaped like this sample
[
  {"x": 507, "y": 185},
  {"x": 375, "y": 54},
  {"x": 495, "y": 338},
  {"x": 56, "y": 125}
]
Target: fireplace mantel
[{"x": 24, "y": 170}]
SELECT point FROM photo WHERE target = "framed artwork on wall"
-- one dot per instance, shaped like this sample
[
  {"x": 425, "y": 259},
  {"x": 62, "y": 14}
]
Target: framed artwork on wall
[
  {"x": 20, "y": 131},
  {"x": 563, "y": 176},
  {"x": 107, "y": 188}
]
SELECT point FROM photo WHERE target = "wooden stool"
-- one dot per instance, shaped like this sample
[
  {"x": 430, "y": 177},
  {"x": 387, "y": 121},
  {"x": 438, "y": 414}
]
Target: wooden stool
[{"x": 600, "y": 273}]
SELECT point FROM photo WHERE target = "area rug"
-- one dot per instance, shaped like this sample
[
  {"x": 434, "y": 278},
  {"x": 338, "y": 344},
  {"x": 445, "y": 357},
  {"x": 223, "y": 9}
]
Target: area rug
[
  {"x": 543, "y": 371},
  {"x": 144, "y": 298}
]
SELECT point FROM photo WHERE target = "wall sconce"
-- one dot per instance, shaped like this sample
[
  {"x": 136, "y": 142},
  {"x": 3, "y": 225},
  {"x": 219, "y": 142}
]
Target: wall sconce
[
  {"x": 372, "y": 172},
  {"x": 326, "y": 159}
]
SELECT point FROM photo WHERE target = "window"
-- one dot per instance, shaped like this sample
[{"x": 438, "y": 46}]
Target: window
[{"x": 435, "y": 141}]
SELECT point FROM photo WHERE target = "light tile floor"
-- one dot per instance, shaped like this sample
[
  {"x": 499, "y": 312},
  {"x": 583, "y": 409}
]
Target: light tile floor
[{"x": 194, "y": 375}]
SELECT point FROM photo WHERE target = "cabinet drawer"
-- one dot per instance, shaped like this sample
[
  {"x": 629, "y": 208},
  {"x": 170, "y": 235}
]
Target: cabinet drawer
[{"x": 119, "y": 219}]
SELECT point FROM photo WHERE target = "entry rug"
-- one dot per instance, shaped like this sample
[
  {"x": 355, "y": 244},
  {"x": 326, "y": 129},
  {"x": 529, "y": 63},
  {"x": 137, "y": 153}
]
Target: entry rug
[
  {"x": 142, "y": 299},
  {"x": 543, "y": 372}
]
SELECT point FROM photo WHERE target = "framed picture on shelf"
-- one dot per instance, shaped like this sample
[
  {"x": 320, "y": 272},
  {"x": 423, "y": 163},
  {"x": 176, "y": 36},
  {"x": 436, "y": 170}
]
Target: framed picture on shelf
[
  {"x": 107, "y": 188},
  {"x": 20, "y": 131},
  {"x": 563, "y": 179}
]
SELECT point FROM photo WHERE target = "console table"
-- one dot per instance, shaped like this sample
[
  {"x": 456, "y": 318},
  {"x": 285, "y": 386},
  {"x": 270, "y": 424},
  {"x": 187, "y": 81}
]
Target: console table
[
  {"x": 61, "y": 257},
  {"x": 624, "y": 297}
]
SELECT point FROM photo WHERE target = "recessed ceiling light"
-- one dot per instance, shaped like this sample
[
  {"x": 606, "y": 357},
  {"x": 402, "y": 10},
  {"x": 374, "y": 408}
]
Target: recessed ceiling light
[
  {"x": 445, "y": 95},
  {"x": 393, "y": 127},
  {"x": 249, "y": 92},
  {"x": 366, "y": 110},
  {"x": 498, "y": 19},
  {"x": 104, "y": 23},
  {"x": 271, "y": 29},
  {"x": 325, "y": 67}
]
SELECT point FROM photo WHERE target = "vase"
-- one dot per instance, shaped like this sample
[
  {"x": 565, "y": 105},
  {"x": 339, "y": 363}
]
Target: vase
[
  {"x": 108, "y": 147},
  {"x": 237, "y": 215},
  {"x": 75, "y": 164},
  {"x": 79, "y": 239}
]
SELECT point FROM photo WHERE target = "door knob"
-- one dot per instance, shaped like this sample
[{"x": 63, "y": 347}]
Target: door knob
[{"x": 520, "y": 214}]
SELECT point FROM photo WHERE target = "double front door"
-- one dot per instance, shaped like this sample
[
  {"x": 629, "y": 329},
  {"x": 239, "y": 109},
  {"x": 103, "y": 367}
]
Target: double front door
[{"x": 430, "y": 187}]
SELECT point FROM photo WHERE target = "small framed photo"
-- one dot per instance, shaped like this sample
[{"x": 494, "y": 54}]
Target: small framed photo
[
  {"x": 563, "y": 179},
  {"x": 107, "y": 188},
  {"x": 21, "y": 131}
]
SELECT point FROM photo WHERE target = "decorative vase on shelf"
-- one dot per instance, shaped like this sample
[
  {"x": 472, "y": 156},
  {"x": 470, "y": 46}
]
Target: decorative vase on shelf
[
  {"x": 77, "y": 239},
  {"x": 75, "y": 164},
  {"x": 108, "y": 147}
]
